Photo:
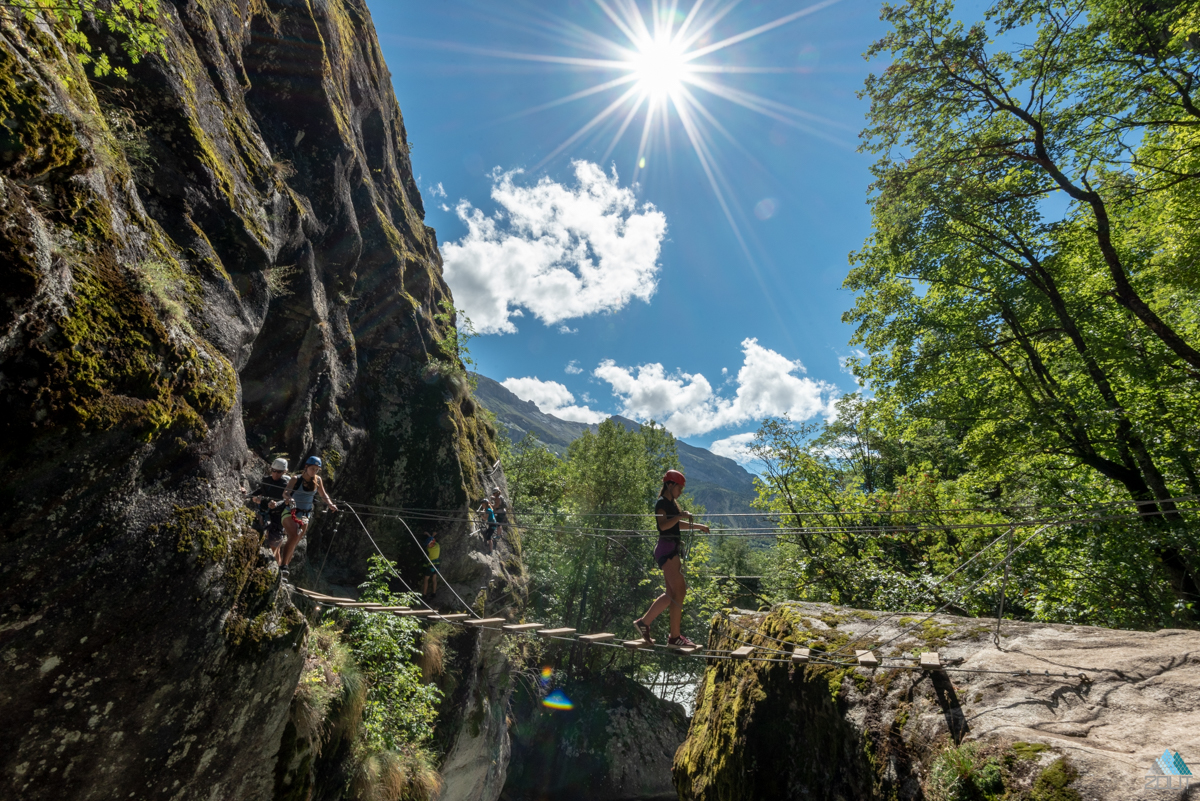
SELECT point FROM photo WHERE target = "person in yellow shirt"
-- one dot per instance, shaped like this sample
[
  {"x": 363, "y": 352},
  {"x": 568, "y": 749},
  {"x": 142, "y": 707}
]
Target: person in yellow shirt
[{"x": 434, "y": 552}]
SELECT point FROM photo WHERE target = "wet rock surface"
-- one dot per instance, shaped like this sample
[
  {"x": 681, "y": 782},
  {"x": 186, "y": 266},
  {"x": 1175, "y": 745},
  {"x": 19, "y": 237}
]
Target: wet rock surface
[
  {"x": 1112, "y": 702},
  {"x": 217, "y": 261}
]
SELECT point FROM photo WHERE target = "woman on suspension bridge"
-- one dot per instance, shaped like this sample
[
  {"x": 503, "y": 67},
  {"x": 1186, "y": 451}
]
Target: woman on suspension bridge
[
  {"x": 299, "y": 494},
  {"x": 667, "y": 554}
]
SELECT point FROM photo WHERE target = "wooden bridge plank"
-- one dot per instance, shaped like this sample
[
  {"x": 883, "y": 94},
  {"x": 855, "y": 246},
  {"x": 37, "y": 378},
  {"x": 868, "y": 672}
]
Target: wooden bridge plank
[
  {"x": 800, "y": 655},
  {"x": 634, "y": 645},
  {"x": 485, "y": 621},
  {"x": 555, "y": 632},
  {"x": 743, "y": 652},
  {"x": 931, "y": 662},
  {"x": 415, "y": 612},
  {"x": 524, "y": 627},
  {"x": 455, "y": 616},
  {"x": 867, "y": 659},
  {"x": 316, "y": 596},
  {"x": 598, "y": 637}
]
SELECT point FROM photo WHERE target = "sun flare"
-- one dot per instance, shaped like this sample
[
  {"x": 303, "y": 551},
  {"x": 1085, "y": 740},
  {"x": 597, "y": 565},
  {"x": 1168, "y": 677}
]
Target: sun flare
[
  {"x": 660, "y": 66},
  {"x": 665, "y": 76}
]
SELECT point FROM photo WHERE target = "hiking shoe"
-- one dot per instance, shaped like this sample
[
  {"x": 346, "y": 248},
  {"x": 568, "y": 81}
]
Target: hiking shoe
[
  {"x": 643, "y": 629},
  {"x": 681, "y": 642}
]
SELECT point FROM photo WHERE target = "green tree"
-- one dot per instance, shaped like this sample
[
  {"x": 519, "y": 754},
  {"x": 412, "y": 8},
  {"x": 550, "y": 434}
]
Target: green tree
[
  {"x": 1061, "y": 346},
  {"x": 900, "y": 545}
]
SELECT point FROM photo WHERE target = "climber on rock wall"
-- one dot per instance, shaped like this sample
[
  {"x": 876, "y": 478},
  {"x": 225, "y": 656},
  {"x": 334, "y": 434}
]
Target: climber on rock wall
[
  {"x": 299, "y": 495},
  {"x": 268, "y": 498},
  {"x": 501, "y": 508},
  {"x": 433, "y": 551},
  {"x": 489, "y": 522},
  {"x": 667, "y": 553}
]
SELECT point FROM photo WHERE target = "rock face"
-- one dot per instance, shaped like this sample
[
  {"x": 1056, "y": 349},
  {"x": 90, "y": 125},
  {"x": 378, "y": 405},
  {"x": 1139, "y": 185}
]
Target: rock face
[
  {"x": 1111, "y": 702},
  {"x": 219, "y": 260},
  {"x": 616, "y": 743}
]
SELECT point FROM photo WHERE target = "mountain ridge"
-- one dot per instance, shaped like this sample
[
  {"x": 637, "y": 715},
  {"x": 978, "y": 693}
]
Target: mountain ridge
[{"x": 719, "y": 483}]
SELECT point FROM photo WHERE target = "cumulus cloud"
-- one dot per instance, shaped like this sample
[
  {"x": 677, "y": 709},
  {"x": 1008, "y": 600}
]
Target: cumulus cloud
[
  {"x": 558, "y": 251},
  {"x": 553, "y": 398},
  {"x": 436, "y": 191},
  {"x": 573, "y": 367},
  {"x": 767, "y": 386},
  {"x": 736, "y": 448}
]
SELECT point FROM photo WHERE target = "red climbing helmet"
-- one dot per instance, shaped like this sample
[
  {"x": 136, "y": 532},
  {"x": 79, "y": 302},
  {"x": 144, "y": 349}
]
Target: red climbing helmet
[{"x": 674, "y": 477}]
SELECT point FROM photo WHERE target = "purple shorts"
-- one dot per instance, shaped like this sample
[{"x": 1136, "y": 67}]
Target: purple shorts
[{"x": 665, "y": 551}]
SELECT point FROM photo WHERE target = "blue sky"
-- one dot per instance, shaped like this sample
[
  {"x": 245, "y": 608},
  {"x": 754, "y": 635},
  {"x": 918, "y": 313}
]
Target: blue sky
[{"x": 656, "y": 298}]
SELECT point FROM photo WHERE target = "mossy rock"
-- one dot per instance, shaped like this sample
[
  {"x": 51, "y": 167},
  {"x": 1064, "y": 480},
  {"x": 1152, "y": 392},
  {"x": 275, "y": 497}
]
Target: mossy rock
[{"x": 1054, "y": 783}]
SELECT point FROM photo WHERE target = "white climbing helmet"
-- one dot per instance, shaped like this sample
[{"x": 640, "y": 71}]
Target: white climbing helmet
[{"x": 279, "y": 464}]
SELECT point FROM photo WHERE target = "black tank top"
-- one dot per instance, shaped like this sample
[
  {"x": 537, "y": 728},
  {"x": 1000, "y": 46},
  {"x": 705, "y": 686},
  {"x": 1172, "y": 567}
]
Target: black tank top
[{"x": 669, "y": 509}]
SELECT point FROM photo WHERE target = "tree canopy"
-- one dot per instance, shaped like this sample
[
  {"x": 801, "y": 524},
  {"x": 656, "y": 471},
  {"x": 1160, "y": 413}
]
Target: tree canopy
[{"x": 1030, "y": 282}]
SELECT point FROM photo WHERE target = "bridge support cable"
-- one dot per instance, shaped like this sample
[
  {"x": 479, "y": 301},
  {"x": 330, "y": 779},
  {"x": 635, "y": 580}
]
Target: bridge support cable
[
  {"x": 387, "y": 561},
  {"x": 904, "y": 630}
]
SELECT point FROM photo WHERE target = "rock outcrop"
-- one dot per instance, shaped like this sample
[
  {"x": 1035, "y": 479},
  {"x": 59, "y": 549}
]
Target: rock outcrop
[
  {"x": 617, "y": 742},
  {"x": 1091, "y": 714},
  {"x": 216, "y": 261}
]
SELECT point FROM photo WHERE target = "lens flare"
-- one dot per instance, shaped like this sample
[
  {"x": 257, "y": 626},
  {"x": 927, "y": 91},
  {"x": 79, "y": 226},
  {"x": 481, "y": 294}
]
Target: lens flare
[
  {"x": 547, "y": 673},
  {"x": 557, "y": 700}
]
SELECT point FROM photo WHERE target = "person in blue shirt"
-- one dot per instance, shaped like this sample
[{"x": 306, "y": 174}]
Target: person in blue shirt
[
  {"x": 489, "y": 522},
  {"x": 299, "y": 495}
]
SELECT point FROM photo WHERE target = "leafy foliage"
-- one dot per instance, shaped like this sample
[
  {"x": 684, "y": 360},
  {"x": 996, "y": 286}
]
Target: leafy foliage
[
  {"x": 1029, "y": 288},
  {"x": 134, "y": 23},
  {"x": 400, "y": 708},
  {"x": 452, "y": 344},
  {"x": 873, "y": 522}
]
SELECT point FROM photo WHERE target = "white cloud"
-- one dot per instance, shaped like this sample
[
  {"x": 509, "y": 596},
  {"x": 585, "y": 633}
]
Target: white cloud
[
  {"x": 553, "y": 398},
  {"x": 573, "y": 367},
  {"x": 767, "y": 386},
  {"x": 560, "y": 252},
  {"x": 566, "y": 329},
  {"x": 437, "y": 191},
  {"x": 736, "y": 448}
]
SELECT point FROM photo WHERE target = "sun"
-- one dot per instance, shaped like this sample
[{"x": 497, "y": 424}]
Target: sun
[
  {"x": 664, "y": 74},
  {"x": 660, "y": 66}
]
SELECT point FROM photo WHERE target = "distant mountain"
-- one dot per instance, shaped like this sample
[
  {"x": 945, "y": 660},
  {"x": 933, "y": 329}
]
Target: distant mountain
[{"x": 719, "y": 483}]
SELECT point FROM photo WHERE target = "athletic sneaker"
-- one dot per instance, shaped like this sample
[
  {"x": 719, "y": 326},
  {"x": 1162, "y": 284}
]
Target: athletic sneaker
[
  {"x": 681, "y": 642},
  {"x": 643, "y": 629}
]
